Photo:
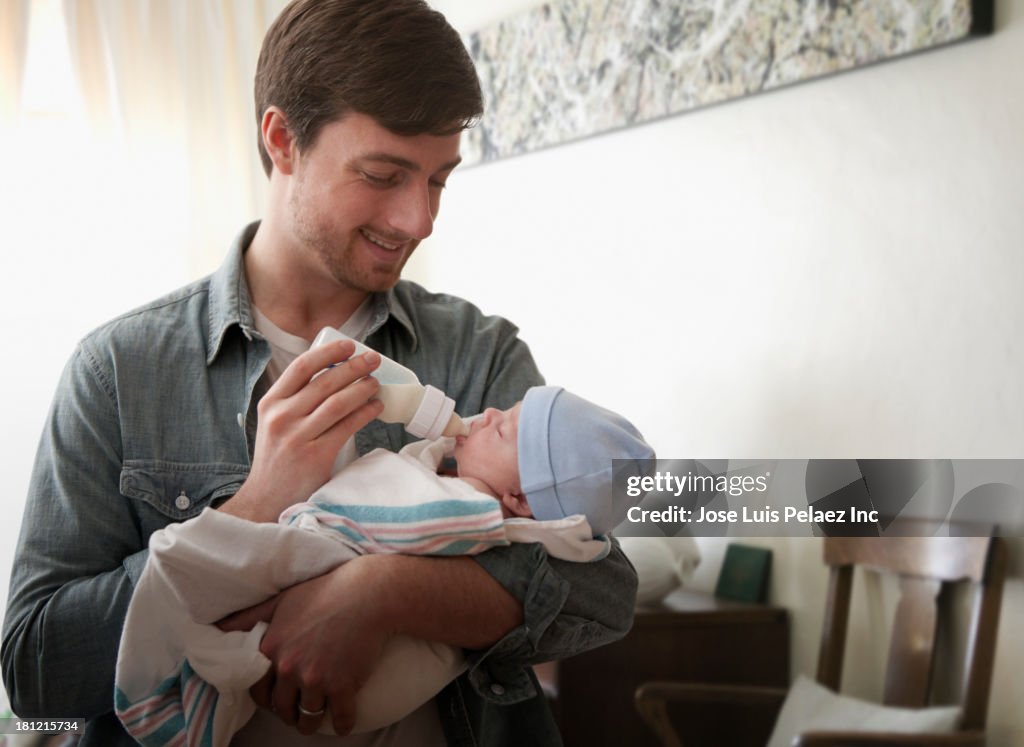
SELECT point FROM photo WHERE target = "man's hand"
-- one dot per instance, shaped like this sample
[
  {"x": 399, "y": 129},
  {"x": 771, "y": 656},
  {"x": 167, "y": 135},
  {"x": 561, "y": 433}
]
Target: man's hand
[
  {"x": 325, "y": 635},
  {"x": 323, "y": 642},
  {"x": 304, "y": 419}
]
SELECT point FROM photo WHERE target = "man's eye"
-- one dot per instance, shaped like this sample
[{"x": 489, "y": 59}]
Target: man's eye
[
  {"x": 437, "y": 184},
  {"x": 377, "y": 180}
]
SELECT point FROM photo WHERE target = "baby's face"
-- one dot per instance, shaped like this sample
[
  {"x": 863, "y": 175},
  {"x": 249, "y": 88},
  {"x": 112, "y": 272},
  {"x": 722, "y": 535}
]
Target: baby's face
[{"x": 490, "y": 452}]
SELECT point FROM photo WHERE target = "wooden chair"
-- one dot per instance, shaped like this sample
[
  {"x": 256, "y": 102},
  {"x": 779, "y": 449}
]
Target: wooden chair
[{"x": 926, "y": 566}]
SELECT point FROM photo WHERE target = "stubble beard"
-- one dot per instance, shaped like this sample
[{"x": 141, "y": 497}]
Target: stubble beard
[
  {"x": 338, "y": 260},
  {"x": 336, "y": 255}
]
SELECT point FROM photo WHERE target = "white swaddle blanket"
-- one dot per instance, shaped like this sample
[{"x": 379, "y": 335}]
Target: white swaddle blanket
[{"x": 180, "y": 680}]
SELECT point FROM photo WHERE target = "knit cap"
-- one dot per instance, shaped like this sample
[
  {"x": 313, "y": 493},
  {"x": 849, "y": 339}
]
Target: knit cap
[{"x": 566, "y": 447}]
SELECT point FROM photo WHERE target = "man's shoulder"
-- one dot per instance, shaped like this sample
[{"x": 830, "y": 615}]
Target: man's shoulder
[
  {"x": 180, "y": 313},
  {"x": 478, "y": 359},
  {"x": 410, "y": 293},
  {"x": 429, "y": 310}
]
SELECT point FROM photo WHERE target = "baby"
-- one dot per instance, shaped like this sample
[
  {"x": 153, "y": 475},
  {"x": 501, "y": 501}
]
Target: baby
[
  {"x": 549, "y": 458},
  {"x": 547, "y": 461}
]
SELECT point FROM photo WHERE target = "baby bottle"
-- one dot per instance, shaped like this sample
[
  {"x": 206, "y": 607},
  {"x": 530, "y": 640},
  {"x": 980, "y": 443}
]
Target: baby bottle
[{"x": 425, "y": 411}]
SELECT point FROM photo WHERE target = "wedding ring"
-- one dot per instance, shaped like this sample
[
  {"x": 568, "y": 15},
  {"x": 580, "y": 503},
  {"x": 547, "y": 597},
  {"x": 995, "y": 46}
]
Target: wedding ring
[{"x": 304, "y": 712}]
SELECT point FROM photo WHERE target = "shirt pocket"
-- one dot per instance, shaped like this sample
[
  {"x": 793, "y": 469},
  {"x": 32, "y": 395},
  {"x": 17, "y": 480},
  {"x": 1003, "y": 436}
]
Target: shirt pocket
[{"x": 177, "y": 491}]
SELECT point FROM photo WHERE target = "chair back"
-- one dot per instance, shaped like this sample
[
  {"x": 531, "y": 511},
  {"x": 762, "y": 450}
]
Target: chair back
[{"x": 926, "y": 568}]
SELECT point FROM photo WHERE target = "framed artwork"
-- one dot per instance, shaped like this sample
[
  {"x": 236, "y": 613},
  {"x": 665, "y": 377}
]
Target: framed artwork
[{"x": 574, "y": 68}]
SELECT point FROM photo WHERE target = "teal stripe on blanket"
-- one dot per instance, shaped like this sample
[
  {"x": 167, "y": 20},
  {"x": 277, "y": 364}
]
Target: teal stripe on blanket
[
  {"x": 453, "y": 546},
  {"x": 446, "y": 509},
  {"x": 166, "y": 733},
  {"x": 122, "y": 702},
  {"x": 170, "y": 728},
  {"x": 204, "y": 690}
]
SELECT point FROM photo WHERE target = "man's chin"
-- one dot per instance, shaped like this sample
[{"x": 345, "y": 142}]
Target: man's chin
[
  {"x": 385, "y": 275},
  {"x": 379, "y": 280}
]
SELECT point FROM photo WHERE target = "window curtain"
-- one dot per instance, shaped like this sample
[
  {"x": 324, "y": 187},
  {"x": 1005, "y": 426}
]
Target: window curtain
[
  {"x": 13, "y": 42},
  {"x": 170, "y": 81}
]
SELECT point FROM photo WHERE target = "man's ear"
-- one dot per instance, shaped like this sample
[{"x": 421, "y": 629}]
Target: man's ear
[
  {"x": 517, "y": 505},
  {"x": 278, "y": 140}
]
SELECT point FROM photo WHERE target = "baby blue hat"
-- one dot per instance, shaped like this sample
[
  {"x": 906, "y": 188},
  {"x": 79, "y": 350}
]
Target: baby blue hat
[{"x": 566, "y": 446}]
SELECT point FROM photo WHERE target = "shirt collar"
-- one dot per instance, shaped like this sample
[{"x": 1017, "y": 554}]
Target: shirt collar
[
  {"x": 230, "y": 303},
  {"x": 389, "y": 306}
]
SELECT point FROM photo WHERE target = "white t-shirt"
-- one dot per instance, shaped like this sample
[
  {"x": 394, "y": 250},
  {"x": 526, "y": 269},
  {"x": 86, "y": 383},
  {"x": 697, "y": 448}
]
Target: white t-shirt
[{"x": 422, "y": 727}]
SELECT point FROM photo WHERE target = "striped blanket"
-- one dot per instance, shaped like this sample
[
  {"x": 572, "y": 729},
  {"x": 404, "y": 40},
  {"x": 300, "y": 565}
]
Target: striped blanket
[{"x": 181, "y": 681}]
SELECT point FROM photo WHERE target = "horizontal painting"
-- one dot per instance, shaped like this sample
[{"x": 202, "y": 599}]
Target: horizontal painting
[{"x": 573, "y": 68}]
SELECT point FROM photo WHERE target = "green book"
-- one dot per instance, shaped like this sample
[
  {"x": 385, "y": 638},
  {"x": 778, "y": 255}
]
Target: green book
[{"x": 745, "y": 574}]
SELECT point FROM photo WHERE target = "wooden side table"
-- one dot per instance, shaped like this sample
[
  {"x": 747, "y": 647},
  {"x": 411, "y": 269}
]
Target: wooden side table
[{"x": 691, "y": 637}]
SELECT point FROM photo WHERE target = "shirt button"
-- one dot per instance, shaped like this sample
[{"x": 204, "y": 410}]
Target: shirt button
[
  {"x": 182, "y": 502},
  {"x": 497, "y": 689},
  {"x": 241, "y": 421}
]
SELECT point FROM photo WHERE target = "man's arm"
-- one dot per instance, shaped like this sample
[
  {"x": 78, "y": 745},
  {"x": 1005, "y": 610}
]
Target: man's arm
[
  {"x": 82, "y": 548},
  {"x": 77, "y": 557},
  {"x": 568, "y": 608},
  {"x": 326, "y": 634}
]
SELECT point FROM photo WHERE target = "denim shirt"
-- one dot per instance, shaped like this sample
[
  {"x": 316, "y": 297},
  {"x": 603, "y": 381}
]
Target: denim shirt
[{"x": 154, "y": 419}]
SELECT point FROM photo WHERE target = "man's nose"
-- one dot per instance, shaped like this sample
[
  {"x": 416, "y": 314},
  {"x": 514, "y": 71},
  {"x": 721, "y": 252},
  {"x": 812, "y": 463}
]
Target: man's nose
[{"x": 413, "y": 210}]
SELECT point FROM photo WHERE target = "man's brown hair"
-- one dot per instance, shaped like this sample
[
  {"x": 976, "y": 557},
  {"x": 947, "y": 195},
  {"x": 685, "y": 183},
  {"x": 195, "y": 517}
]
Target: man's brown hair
[{"x": 397, "y": 61}]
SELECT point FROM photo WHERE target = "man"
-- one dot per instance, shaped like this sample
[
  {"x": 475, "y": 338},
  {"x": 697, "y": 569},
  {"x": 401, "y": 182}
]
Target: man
[{"x": 206, "y": 398}]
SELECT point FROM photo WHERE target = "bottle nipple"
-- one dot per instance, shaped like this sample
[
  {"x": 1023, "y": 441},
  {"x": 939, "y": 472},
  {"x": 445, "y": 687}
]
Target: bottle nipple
[{"x": 456, "y": 426}]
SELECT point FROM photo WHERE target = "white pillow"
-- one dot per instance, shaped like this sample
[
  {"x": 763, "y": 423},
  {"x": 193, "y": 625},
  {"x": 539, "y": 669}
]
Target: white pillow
[
  {"x": 662, "y": 564},
  {"x": 813, "y": 707}
]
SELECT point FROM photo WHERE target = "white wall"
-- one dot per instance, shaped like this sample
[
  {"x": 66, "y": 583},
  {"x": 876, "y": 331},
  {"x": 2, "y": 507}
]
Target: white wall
[
  {"x": 831, "y": 270},
  {"x": 828, "y": 270}
]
